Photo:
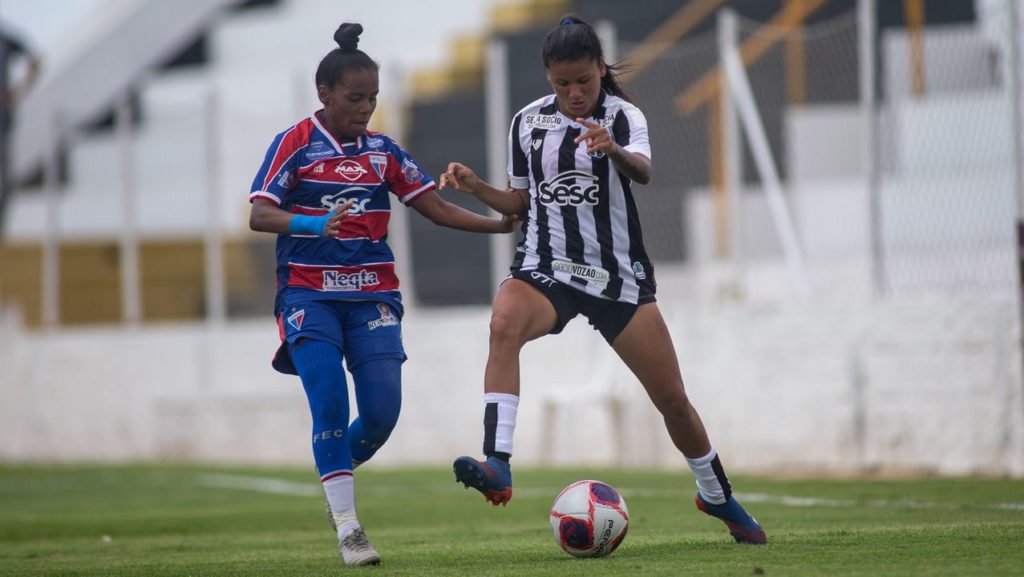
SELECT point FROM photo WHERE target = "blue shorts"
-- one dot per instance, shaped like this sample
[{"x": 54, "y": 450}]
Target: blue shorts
[{"x": 362, "y": 330}]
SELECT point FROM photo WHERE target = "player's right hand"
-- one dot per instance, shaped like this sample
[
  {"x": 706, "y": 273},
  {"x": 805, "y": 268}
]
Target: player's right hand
[{"x": 334, "y": 223}]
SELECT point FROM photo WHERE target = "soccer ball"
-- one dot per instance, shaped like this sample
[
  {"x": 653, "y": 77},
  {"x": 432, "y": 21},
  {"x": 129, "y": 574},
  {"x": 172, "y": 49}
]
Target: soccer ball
[{"x": 589, "y": 519}]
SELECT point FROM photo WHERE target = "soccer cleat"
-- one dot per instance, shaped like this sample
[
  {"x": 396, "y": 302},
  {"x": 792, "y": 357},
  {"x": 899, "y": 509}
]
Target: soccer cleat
[
  {"x": 743, "y": 527},
  {"x": 492, "y": 477},
  {"x": 355, "y": 549}
]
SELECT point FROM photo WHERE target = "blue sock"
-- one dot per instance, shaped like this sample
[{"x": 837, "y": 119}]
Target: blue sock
[
  {"x": 323, "y": 378},
  {"x": 379, "y": 396}
]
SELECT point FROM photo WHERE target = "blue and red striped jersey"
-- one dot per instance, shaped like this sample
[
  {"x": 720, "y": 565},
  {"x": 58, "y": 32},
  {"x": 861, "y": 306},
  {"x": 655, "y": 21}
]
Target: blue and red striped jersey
[{"x": 307, "y": 171}]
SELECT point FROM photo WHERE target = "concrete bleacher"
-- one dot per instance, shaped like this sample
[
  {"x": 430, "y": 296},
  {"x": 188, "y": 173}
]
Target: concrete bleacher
[{"x": 837, "y": 384}]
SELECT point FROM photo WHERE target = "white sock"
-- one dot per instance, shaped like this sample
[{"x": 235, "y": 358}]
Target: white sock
[
  {"x": 346, "y": 522},
  {"x": 341, "y": 496},
  {"x": 507, "y": 406},
  {"x": 709, "y": 483}
]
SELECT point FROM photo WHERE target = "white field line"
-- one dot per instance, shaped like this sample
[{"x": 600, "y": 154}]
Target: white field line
[
  {"x": 299, "y": 489},
  {"x": 261, "y": 484}
]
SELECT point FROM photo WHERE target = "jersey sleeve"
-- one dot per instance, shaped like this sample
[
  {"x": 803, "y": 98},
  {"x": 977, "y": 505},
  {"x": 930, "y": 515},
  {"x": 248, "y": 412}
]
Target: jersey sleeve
[
  {"x": 518, "y": 167},
  {"x": 278, "y": 173},
  {"x": 405, "y": 178},
  {"x": 630, "y": 130}
]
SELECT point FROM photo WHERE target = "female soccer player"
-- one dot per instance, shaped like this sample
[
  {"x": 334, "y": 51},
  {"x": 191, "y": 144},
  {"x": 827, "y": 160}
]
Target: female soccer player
[
  {"x": 573, "y": 158},
  {"x": 323, "y": 189}
]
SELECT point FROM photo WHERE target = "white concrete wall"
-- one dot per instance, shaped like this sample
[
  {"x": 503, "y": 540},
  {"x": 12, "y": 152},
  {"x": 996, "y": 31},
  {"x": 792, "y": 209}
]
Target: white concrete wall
[{"x": 838, "y": 384}]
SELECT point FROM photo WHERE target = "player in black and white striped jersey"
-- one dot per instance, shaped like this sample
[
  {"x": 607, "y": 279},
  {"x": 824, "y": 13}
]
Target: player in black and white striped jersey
[
  {"x": 582, "y": 228},
  {"x": 573, "y": 157}
]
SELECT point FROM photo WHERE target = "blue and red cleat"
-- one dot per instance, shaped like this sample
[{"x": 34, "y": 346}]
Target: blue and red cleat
[
  {"x": 743, "y": 527},
  {"x": 492, "y": 477}
]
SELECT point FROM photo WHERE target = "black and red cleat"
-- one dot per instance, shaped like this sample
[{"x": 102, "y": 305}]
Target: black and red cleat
[
  {"x": 492, "y": 477},
  {"x": 743, "y": 527}
]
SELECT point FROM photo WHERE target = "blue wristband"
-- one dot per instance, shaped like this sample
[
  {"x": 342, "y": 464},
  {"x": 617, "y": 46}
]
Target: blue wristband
[{"x": 305, "y": 224}]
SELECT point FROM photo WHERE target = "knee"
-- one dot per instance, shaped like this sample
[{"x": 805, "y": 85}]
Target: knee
[
  {"x": 676, "y": 406},
  {"x": 506, "y": 330},
  {"x": 381, "y": 422}
]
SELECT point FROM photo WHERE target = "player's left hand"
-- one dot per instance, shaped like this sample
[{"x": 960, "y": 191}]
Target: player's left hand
[{"x": 597, "y": 137}]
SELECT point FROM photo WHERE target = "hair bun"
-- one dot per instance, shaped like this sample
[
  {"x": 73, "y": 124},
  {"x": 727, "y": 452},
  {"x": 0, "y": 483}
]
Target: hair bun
[{"x": 347, "y": 36}]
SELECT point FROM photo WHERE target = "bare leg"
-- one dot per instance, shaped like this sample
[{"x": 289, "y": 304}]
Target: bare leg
[
  {"x": 519, "y": 315},
  {"x": 645, "y": 345}
]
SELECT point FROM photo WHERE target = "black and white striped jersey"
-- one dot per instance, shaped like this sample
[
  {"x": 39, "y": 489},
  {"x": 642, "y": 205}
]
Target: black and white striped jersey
[{"x": 582, "y": 226}]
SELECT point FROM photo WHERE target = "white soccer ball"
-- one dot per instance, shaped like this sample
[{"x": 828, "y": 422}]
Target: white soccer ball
[{"x": 589, "y": 519}]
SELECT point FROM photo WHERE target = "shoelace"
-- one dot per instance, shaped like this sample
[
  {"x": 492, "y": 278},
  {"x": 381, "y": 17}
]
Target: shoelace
[{"x": 357, "y": 540}]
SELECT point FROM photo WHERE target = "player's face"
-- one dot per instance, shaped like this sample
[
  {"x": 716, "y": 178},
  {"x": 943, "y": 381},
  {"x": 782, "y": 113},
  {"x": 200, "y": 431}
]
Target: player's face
[
  {"x": 577, "y": 85},
  {"x": 350, "y": 103}
]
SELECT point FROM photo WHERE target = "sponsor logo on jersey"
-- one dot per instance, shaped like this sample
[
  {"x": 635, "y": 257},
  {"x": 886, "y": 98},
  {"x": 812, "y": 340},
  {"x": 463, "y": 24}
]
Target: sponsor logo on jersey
[
  {"x": 537, "y": 143},
  {"x": 571, "y": 188},
  {"x": 379, "y": 162},
  {"x": 387, "y": 319},
  {"x": 593, "y": 274},
  {"x": 411, "y": 172},
  {"x": 318, "y": 169},
  {"x": 295, "y": 319},
  {"x": 350, "y": 170},
  {"x": 285, "y": 180},
  {"x": 349, "y": 282},
  {"x": 638, "y": 271},
  {"x": 374, "y": 142},
  {"x": 333, "y": 201},
  {"x": 317, "y": 150},
  {"x": 542, "y": 121}
]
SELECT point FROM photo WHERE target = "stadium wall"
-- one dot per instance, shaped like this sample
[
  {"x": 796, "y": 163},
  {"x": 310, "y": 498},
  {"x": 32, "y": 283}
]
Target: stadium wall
[{"x": 834, "y": 385}]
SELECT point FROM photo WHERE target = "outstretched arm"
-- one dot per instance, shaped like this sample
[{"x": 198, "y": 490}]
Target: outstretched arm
[
  {"x": 443, "y": 213},
  {"x": 510, "y": 202}
]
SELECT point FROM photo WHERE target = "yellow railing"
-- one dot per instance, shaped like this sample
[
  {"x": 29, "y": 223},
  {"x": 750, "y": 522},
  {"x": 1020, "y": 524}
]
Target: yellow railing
[{"x": 778, "y": 28}]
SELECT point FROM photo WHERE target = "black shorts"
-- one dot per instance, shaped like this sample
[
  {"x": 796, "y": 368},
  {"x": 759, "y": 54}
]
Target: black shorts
[{"x": 607, "y": 316}]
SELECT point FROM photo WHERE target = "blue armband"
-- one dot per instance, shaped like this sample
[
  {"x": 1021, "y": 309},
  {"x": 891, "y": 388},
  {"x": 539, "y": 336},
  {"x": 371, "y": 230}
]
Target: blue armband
[{"x": 305, "y": 224}]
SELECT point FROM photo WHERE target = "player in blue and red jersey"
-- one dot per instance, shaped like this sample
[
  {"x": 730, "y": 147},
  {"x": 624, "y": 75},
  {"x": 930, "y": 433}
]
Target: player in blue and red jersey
[{"x": 324, "y": 189}]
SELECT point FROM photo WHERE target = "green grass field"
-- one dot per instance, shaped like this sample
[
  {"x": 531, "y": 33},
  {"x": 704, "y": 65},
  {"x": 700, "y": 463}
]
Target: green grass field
[{"x": 177, "y": 520}]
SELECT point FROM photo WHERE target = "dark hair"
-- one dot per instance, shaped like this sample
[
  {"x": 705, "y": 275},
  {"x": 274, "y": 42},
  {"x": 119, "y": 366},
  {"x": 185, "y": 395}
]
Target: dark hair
[
  {"x": 345, "y": 57},
  {"x": 572, "y": 40}
]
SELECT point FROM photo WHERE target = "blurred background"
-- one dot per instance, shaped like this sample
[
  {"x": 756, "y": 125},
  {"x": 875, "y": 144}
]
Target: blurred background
[{"x": 833, "y": 220}]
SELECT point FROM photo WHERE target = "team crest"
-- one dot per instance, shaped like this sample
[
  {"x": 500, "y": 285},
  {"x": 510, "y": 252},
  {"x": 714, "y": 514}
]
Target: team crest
[
  {"x": 295, "y": 319},
  {"x": 379, "y": 162},
  {"x": 387, "y": 318}
]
